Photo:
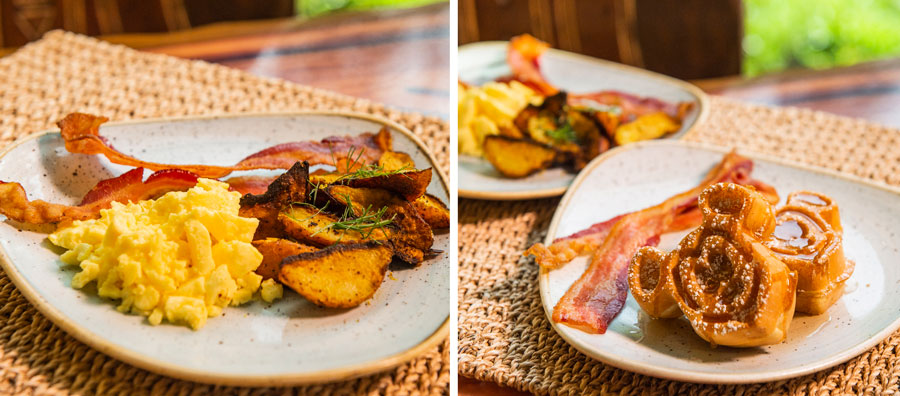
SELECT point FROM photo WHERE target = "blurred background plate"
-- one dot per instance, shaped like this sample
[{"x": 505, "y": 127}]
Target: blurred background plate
[{"x": 485, "y": 61}]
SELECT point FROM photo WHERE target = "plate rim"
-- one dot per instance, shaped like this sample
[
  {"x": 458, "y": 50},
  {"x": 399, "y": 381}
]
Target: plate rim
[
  {"x": 694, "y": 376},
  {"x": 209, "y": 377},
  {"x": 702, "y": 104}
]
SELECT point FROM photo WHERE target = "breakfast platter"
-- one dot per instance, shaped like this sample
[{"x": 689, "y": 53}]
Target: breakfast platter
[
  {"x": 615, "y": 95},
  {"x": 672, "y": 341},
  {"x": 257, "y": 332}
]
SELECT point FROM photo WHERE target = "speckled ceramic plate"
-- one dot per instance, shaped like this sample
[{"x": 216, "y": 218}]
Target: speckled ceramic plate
[
  {"x": 286, "y": 343},
  {"x": 485, "y": 61},
  {"x": 641, "y": 175}
]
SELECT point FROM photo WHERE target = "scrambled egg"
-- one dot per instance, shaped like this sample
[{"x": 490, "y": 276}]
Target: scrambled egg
[
  {"x": 182, "y": 257},
  {"x": 487, "y": 109}
]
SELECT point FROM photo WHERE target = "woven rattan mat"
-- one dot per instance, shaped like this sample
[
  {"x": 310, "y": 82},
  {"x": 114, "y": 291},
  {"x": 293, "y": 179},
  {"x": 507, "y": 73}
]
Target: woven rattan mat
[
  {"x": 504, "y": 336},
  {"x": 65, "y": 72}
]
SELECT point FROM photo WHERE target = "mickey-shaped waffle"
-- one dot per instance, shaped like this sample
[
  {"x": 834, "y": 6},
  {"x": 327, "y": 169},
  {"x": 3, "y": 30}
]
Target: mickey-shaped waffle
[
  {"x": 729, "y": 285},
  {"x": 807, "y": 238}
]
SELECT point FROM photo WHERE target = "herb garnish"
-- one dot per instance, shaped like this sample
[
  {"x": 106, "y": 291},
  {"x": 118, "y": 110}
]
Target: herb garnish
[{"x": 565, "y": 133}]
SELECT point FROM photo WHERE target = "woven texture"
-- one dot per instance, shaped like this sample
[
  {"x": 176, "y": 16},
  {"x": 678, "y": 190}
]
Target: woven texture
[
  {"x": 63, "y": 73},
  {"x": 505, "y": 337}
]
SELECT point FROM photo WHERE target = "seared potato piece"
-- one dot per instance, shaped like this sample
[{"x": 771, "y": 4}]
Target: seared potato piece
[
  {"x": 311, "y": 225},
  {"x": 646, "y": 127},
  {"x": 274, "y": 250},
  {"x": 413, "y": 237},
  {"x": 410, "y": 184},
  {"x": 433, "y": 211},
  {"x": 394, "y": 160},
  {"x": 517, "y": 158},
  {"x": 341, "y": 276},
  {"x": 322, "y": 179},
  {"x": 289, "y": 187}
]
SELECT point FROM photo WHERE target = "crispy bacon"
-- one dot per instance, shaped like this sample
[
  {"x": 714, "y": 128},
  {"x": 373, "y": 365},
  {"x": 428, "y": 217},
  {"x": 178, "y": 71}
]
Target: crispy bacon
[
  {"x": 734, "y": 168},
  {"x": 522, "y": 58},
  {"x": 82, "y": 135},
  {"x": 128, "y": 187},
  {"x": 254, "y": 185},
  {"x": 631, "y": 106},
  {"x": 598, "y": 296}
]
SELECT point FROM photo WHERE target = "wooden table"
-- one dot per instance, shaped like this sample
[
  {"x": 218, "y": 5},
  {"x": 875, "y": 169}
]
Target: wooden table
[
  {"x": 870, "y": 91},
  {"x": 400, "y": 58}
]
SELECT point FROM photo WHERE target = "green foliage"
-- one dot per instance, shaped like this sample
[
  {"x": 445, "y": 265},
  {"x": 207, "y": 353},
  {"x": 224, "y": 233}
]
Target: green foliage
[
  {"x": 313, "y": 8},
  {"x": 818, "y": 34}
]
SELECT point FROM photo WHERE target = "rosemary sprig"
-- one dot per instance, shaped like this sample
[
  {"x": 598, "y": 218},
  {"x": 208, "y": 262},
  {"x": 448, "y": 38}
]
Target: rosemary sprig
[
  {"x": 565, "y": 133},
  {"x": 365, "y": 223},
  {"x": 373, "y": 170},
  {"x": 363, "y": 170}
]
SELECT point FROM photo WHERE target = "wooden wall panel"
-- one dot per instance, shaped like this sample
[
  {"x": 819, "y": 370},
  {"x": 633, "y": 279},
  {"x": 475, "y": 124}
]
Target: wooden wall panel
[
  {"x": 683, "y": 38},
  {"x": 691, "y": 38}
]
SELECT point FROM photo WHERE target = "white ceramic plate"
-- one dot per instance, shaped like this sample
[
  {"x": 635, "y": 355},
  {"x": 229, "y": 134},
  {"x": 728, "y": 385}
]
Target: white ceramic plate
[
  {"x": 286, "y": 343},
  {"x": 641, "y": 175},
  {"x": 483, "y": 62}
]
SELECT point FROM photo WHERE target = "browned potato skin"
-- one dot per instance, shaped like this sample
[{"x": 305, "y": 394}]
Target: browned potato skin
[
  {"x": 433, "y": 211},
  {"x": 414, "y": 236},
  {"x": 274, "y": 250},
  {"x": 289, "y": 187},
  {"x": 340, "y": 276},
  {"x": 516, "y": 157},
  {"x": 394, "y": 160},
  {"x": 309, "y": 225},
  {"x": 411, "y": 185}
]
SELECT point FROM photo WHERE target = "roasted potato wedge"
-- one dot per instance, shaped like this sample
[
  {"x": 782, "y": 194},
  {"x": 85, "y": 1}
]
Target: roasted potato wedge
[
  {"x": 516, "y": 157},
  {"x": 433, "y": 211},
  {"x": 394, "y": 160},
  {"x": 410, "y": 184},
  {"x": 291, "y": 186},
  {"x": 274, "y": 251},
  {"x": 413, "y": 237},
  {"x": 322, "y": 179},
  {"x": 340, "y": 276},
  {"x": 314, "y": 226}
]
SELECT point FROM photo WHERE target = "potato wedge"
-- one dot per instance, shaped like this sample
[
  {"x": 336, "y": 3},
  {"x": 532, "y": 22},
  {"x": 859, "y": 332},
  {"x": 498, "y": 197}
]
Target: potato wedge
[
  {"x": 340, "y": 276},
  {"x": 413, "y": 237},
  {"x": 433, "y": 211},
  {"x": 394, "y": 160},
  {"x": 311, "y": 225},
  {"x": 517, "y": 158},
  {"x": 410, "y": 184},
  {"x": 274, "y": 250},
  {"x": 290, "y": 187}
]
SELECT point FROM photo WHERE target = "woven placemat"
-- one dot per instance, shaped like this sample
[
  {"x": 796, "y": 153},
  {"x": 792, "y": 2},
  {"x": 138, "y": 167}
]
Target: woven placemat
[
  {"x": 505, "y": 337},
  {"x": 65, "y": 72}
]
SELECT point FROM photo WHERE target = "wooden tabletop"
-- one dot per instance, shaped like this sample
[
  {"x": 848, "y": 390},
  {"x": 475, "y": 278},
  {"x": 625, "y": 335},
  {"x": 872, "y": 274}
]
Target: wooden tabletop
[
  {"x": 870, "y": 91},
  {"x": 400, "y": 58}
]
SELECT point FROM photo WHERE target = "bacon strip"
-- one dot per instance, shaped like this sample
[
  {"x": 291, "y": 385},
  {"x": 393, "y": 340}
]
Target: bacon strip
[
  {"x": 632, "y": 106},
  {"x": 522, "y": 58},
  {"x": 128, "y": 187},
  {"x": 734, "y": 168},
  {"x": 253, "y": 185},
  {"x": 82, "y": 135},
  {"x": 599, "y": 295}
]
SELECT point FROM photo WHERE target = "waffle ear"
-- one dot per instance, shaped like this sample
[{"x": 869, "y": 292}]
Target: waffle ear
[
  {"x": 647, "y": 277},
  {"x": 808, "y": 238},
  {"x": 729, "y": 285}
]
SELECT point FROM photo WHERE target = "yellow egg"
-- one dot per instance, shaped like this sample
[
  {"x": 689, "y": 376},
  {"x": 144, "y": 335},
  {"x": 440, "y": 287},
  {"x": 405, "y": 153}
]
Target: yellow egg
[{"x": 182, "y": 257}]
